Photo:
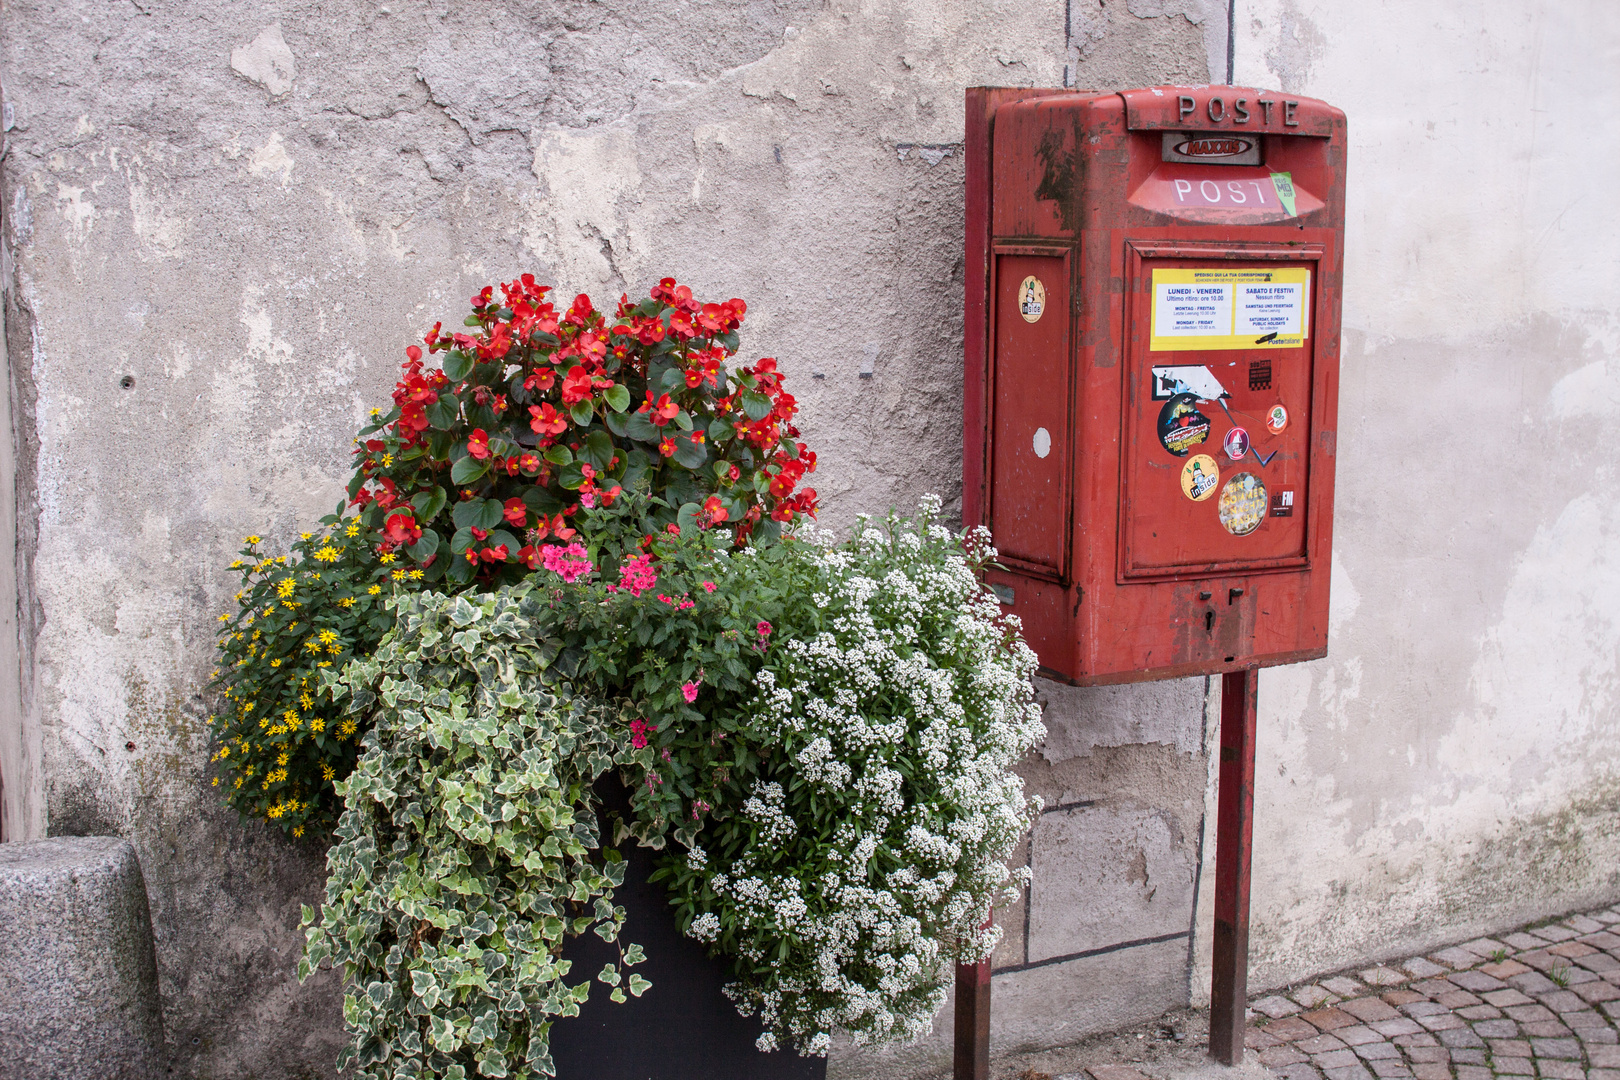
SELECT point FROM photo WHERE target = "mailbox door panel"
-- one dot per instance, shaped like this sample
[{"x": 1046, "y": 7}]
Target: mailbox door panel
[{"x": 1030, "y": 465}]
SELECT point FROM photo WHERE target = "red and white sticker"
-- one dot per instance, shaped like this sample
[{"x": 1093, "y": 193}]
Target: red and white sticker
[{"x": 1276, "y": 418}]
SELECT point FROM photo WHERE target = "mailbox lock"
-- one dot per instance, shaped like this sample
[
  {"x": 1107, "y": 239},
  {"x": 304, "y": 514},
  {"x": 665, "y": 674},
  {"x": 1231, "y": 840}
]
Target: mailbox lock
[{"x": 1205, "y": 595}]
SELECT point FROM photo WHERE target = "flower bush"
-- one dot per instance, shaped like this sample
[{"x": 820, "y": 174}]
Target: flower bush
[
  {"x": 481, "y": 468},
  {"x": 824, "y": 730}
]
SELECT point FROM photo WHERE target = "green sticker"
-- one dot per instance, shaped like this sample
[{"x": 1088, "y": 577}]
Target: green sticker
[{"x": 1284, "y": 183}]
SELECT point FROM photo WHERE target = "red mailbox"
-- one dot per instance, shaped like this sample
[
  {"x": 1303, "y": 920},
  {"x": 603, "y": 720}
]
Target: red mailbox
[{"x": 1152, "y": 342}]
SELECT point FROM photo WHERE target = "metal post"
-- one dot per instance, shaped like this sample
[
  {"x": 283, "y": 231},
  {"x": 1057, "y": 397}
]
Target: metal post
[
  {"x": 1234, "y": 848},
  {"x": 972, "y": 1021}
]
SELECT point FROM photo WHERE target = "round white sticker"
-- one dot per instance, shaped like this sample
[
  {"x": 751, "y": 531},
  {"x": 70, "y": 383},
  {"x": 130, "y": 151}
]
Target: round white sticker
[{"x": 1043, "y": 442}]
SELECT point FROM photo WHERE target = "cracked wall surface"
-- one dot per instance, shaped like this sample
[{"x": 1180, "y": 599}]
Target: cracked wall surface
[{"x": 224, "y": 221}]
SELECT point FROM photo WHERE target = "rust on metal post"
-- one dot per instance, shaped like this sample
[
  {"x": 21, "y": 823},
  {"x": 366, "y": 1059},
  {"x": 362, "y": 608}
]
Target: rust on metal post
[
  {"x": 1234, "y": 848},
  {"x": 972, "y": 1060}
]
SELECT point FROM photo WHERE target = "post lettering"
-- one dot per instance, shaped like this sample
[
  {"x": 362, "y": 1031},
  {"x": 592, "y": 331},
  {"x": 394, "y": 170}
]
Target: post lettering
[
  {"x": 1265, "y": 110},
  {"x": 1288, "y": 114},
  {"x": 1207, "y": 186},
  {"x": 1259, "y": 191},
  {"x": 1237, "y": 191},
  {"x": 1217, "y": 117},
  {"x": 1187, "y": 105},
  {"x": 1240, "y": 111},
  {"x": 1183, "y": 189}
]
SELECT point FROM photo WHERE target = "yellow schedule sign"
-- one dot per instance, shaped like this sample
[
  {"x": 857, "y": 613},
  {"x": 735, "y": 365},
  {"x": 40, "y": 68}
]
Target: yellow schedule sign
[{"x": 1230, "y": 309}]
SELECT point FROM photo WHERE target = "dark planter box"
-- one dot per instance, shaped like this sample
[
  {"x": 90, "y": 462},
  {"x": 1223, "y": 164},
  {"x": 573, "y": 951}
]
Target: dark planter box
[{"x": 684, "y": 1027}]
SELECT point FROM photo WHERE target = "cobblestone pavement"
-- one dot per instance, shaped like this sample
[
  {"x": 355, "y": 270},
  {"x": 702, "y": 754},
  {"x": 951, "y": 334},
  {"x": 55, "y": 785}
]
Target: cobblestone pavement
[
  {"x": 1538, "y": 1002},
  {"x": 1543, "y": 1001}
]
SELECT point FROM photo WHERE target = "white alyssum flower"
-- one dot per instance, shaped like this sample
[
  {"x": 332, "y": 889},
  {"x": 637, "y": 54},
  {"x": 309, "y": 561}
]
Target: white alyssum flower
[{"x": 879, "y": 841}]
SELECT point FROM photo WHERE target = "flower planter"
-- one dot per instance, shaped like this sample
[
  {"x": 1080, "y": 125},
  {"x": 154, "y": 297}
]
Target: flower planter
[{"x": 684, "y": 1027}]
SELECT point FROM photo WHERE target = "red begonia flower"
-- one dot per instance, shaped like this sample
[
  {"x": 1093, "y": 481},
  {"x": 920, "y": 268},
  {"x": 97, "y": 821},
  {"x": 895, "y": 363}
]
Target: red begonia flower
[
  {"x": 516, "y": 512},
  {"x": 478, "y": 444},
  {"x": 547, "y": 420},
  {"x": 576, "y": 385}
]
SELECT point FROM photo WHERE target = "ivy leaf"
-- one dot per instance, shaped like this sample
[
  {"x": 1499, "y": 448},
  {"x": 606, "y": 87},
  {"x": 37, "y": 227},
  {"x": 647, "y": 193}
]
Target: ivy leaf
[
  {"x": 457, "y": 365},
  {"x": 617, "y": 397},
  {"x": 639, "y": 985},
  {"x": 467, "y": 470}
]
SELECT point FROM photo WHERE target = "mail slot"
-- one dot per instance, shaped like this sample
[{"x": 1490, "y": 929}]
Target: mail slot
[{"x": 1151, "y": 381}]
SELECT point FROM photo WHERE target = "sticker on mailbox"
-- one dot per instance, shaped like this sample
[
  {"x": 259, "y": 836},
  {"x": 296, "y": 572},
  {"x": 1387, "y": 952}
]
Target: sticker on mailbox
[
  {"x": 1206, "y": 309},
  {"x": 1181, "y": 425},
  {"x": 1243, "y": 504},
  {"x": 1199, "y": 477},
  {"x": 1276, "y": 418},
  {"x": 1031, "y": 299},
  {"x": 1236, "y": 443}
]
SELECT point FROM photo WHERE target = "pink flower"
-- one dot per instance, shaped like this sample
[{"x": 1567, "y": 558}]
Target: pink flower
[
  {"x": 709, "y": 586},
  {"x": 639, "y": 730},
  {"x": 689, "y": 692},
  {"x": 637, "y": 575},
  {"x": 570, "y": 561},
  {"x": 764, "y": 628}
]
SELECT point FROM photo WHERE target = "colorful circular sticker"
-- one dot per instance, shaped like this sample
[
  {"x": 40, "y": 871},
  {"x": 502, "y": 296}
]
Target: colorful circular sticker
[
  {"x": 1181, "y": 425},
  {"x": 1243, "y": 504},
  {"x": 1236, "y": 443},
  {"x": 1031, "y": 299},
  {"x": 1199, "y": 477},
  {"x": 1276, "y": 419}
]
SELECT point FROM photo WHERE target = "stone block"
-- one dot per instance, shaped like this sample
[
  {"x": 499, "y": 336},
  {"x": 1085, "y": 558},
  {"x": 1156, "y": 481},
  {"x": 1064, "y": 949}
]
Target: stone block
[
  {"x": 78, "y": 974},
  {"x": 1103, "y": 876}
]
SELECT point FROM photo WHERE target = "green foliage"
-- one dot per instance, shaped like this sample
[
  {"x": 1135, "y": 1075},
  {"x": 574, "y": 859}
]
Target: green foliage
[
  {"x": 279, "y": 743},
  {"x": 467, "y": 848}
]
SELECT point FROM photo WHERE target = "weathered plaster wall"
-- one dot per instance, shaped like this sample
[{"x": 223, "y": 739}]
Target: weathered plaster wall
[
  {"x": 1454, "y": 764},
  {"x": 227, "y": 219}
]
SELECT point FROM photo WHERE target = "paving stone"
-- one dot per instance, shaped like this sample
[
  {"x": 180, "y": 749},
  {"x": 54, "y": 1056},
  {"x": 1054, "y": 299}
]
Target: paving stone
[
  {"x": 1378, "y": 1051},
  {"x": 1335, "y": 1059},
  {"x": 1604, "y": 1057},
  {"x": 1402, "y": 997},
  {"x": 1389, "y": 1069},
  {"x": 1603, "y": 939},
  {"x": 1504, "y": 969},
  {"x": 1553, "y": 933},
  {"x": 1612, "y": 1008},
  {"x": 1312, "y": 997},
  {"x": 1468, "y": 1057},
  {"x": 1532, "y": 982},
  {"x": 1422, "y": 1008},
  {"x": 1398, "y": 1026},
  {"x": 1455, "y": 957},
  {"x": 1603, "y": 1074},
  {"x": 1556, "y": 1048},
  {"x": 1612, "y": 976},
  {"x": 1456, "y": 999},
  {"x": 1422, "y": 1043},
  {"x": 1544, "y": 1029},
  {"x": 1290, "y": 1029},
  {"x": 1514, "y": 1066},
  {"x": 1561, "y": 1070},
  {"x": 1300, "y": 1072},
  {"x": 1510, "y": 1048},
  {"x": 1322, "y": 1044},
  {"x": 1276, "y": 1006},
  {"x": 1521, "y": 940},
  {"x": 1278, "y": 1056},
  {"x": 1503, "y": 998},
  {"x": 1480, "y": 1012},
  {"x": 1572, "y": 949},
  {"x": 1344, "y": 986},
  {"x": 1369, "y": 1008},
  {"x": 1259, "y": 1039},
  {"x": 1575, "y": 976},
  {"x": 1350, "y": 1072},
  {"x": 1598, "y": 962},
  {"x": 1483, "y": 946},
  {"x": 1477, "y": 981},
  {"x": 1473, "y": 1072},
  {"x": 1419, "y": 968},
  {"x": 1384, "y": 976},
  {"x": 1496, "y": 1029},
  {"x": 1606, "y": 1036},
  {"x": 1610, "y": 916},
  {"x": 1357, "y": 1035},
  {"x": 1438, "y": 1070},
  {"x": 1460, "y": 1037},
  {"x": 1432, "y": 987},
  {"x": 1583, "y": 1018},
  {"x": 1441, "y": 1022},
  {"x": 1581, "y": 924},
  {"x": 1531, "y": 1012},
  {"x": 1329, "y": 1018},
  {"x": 1561, "y": 1001},
  {"x": 1541, "y": 960}
]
